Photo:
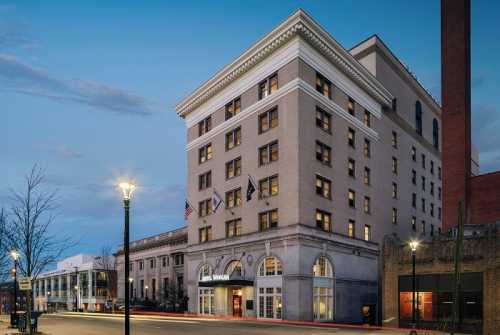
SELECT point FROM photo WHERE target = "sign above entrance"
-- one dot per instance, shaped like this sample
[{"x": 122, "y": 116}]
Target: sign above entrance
[{"x": 214, "y": 278}]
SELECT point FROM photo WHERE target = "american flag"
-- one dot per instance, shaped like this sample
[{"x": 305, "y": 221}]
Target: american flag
[{"x": 187, "y": 210}]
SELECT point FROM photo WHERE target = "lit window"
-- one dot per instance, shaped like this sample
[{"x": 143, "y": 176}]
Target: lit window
[
  {"x": 270, "y": 266},
  {"x": 367, "y": 205},
  {"x": 205, "y": 153},
  {"x": 366, "y": 176},
  {"x": 394, "y": 216},
  {"x": 351, "y": 167},
  {"x": 233, "y": 168},
  {"x": 323, "y": 220},
  {"x": 413, "y": 154},
  {"x": 268, "y": 120},
  {"x": 413, "y": 223},
  {"x": 323, "y": 85},
  {"x": 322, "y": 268},
  {"x": 233, "y": 198},
  {"x": 394, "y": 165},
  {"x": 323, "y": 153},
  {"x": 205, "y": 180},
  {"x": 268, "y": 153},
  {"x": 351, "y": 106},
  {"x": 233, "y": 138},
  {"x": 394, "y": 190},
  {"x": 351, "y": 229},
  {"x": 268, "y": 86},
  {"x": 268, "y": 219},
  {"x": 205, "y": 234},
  {"x": 351, "y": 198},
  {"x": 323, "y": 120},
  {"x": 204, "y": 126},
  {"x": 323, "y": 187},
  {"x": 205, "y": 207},
  {"x": 268, "y": 187},
  {"x": 233, "y": 108},
  {"x": 367, "y": 233},
  {"x": 351, "y": 137},
  {"x": 367, "y": 120},
  {"x": 233, "y": 228},
  {"x": 367, "y": 148},
  {"x": 394, "y": 140}
]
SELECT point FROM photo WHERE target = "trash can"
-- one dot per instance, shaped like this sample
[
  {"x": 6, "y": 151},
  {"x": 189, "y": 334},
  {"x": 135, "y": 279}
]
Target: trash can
[{"x": 13, "y": 319}]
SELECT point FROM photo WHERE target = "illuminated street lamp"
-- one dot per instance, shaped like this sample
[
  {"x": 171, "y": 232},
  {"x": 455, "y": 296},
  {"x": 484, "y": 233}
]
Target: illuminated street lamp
[
  {"x": 127, "y": 190},
  {"x": 413, "y": 246},
  {"x": 130, "y": 283},
  {"x": 15, "y": 256}
]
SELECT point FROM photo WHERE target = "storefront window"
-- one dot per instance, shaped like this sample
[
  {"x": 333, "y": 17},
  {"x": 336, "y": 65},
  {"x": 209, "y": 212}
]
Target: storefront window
[
  {"x": 270, "y": 303},
  {"x": 322, "y": 268},
  {"x": 206, "y": 301},
  {"x": 423, "y": 304},
  {"x": 322, "y": 303}
]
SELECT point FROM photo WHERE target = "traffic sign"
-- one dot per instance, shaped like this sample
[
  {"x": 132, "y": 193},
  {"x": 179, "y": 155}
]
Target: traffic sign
[{"x": 25, "y": 283}]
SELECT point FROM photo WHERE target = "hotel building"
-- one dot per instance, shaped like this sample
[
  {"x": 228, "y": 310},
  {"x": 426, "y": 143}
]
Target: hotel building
[
  {"x": 81, "y": 282},
  {"x": 343, "y": 148}
]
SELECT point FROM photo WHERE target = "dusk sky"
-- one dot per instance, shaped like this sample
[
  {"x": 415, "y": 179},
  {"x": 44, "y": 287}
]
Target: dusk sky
[{"x": 88, "y": 90}]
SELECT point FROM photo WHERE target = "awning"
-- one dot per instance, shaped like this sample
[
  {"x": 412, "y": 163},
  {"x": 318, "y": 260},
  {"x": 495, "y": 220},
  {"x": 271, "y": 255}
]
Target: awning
[{"x": 231, "y": 282}]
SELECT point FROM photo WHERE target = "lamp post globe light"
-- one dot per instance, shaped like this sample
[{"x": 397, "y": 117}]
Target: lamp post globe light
[
  {"x": 15, "y": 256},
  {"x": 127, "y": 190},
  {"x": 413, "y": 246}
]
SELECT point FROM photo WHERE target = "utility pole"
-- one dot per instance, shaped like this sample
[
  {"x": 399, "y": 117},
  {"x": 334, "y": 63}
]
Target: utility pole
[{"x": 458, "y": 266}]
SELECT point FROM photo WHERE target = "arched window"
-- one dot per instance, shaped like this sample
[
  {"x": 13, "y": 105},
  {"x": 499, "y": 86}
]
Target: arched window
[
  {"x": 234, "y": 268},
  {"x": 270, "y": 266},
  {"x": 418, "y": 117},
  {"x": 205, "y": 271},
  {"x": 435, "y": 133},
  {"x": 322, "y": 268}
]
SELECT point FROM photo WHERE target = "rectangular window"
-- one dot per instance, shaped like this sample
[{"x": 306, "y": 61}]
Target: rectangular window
[
  {"x": 233, "y": 108},
  {"x": 164, "y": 261},
  {"x": 367, "y": 233},
  {"x": 367, "y": 120},
  {"x": 351, "y": 167},
  {"x": 414, "y": 177},
  {"x": 205, "y": 180},
  {"x": 323, "y": 85},
  {"x": 204, "y": 126},
  {"x": 268, "y": 187},
  {"x": 233, "y": 138},
  {"x": 351, "y": 106},
  {"x": 439, "y": 193},
  {"x": 432, "y": 210},
  {"x": 323, "y": 120},
  {"x": 423, "y": 161},
  {"x": 323, "y": 220},
  {"x": 367, "y": 149},
  {"x": 367, "y": 205},
  {"x": 323, "y": 187},
  {"x": 413, "y": 154},
  {"x": 233, "y": 198},
  {"x": 414, "y": 200},
  {"x": 233, "y": 168},
  {"x": 394, "y": 140},
  {"x": 268, "y": 153},
  {"x": 394, "y": 165},
  {"x": 413, "y": 223},
  {"x": 268, "y": 120},
  {"x": 439, "y": 213},
  {"x": 205, "y": 153},
  {"x": 351, "y": 198},
  {"x": 423, "y": 227},
  {"x": 439, "y": 173},
  {"x": 394, "y": 104},
  {"x": 351, "y": 228},
  {"x": 233, "y": 228},
  {"x": 323, "y": 153},
  {"x": 268, "y": 219},
  {"x": 205, "y": 207},
  {"x": 152, "y": 263},
  {"x": 432, "y": 167},
  {"x": 432, "y": 188},
  {"x": 432, "y": 229},
  {"x": 268, "y": 86},
  {"x": 394, "y": 216},
  {"x": 423, "y": 205},
  {"x": 366, "y": 176},
  {"x": 205, "y": 234},
  {"x": 394, "y": 190},
  {"x": 351, "y": 137},
  {"x": 423, "y": 183}
]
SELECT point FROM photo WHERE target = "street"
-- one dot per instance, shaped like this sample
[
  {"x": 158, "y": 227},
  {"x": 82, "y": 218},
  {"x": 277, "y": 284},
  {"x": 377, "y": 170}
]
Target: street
[{"x": 84, "y": 325}]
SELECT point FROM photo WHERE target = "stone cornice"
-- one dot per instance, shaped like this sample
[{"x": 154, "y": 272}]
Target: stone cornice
[{"x": 298, "y": 24}]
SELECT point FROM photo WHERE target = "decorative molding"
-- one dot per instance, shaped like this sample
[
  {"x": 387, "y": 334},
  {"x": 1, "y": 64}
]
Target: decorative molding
[
  {"x": 271, "y": 100},
  {"x": 299, "y": 24}
]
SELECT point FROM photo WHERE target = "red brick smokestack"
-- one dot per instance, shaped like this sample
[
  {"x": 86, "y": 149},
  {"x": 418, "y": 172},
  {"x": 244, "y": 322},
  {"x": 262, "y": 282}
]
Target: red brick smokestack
[{"x": 456, "y": 109}]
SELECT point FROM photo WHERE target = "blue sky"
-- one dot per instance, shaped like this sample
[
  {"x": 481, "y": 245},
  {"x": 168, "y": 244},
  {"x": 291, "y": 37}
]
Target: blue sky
[{"x": 88, "y": 90}]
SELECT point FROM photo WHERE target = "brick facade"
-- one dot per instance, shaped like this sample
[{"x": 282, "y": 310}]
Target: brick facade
[
  {"x": 481, "y": 254},
  {"x": 485, "y": 198}
]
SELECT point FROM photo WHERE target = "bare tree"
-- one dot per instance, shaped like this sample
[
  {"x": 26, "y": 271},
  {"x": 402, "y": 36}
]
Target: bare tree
[
  {"x": 32, "y": 213},
  {"x": 4, "y": 252},
  {"x": 107, "y": 264},
  {"x": 174, "y": 297}
]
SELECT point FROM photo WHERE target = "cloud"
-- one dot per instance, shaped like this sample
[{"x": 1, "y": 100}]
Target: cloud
[
  {"x": 486, "y": 137},
  {"x": 18, "y": 77},
  {"x": 61, "y": 151}
]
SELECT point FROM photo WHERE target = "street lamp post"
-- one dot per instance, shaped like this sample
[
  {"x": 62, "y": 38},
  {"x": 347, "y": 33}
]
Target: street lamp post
[
  {"x": 127, "y": 189},
  {"x": 15, "y": 256},
  {"x": 413, "y": 246},
  {"x": 130, "y": 287},
  {"x": 76, "y": 288}
]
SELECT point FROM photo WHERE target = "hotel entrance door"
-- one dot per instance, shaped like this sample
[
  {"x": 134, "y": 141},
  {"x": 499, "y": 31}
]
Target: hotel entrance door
[{"x": 237, "y": 309}]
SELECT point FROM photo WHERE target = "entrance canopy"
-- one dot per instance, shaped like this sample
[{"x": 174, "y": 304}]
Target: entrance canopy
[{"x": 222, "y": 282}]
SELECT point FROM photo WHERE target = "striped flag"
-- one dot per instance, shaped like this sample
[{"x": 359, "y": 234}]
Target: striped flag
[
  {"x": 187, "y": 210},
  {"x": 216, "y": 201}
]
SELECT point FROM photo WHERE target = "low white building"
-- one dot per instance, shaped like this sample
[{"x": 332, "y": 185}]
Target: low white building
[{"x": 84, "y": 282}]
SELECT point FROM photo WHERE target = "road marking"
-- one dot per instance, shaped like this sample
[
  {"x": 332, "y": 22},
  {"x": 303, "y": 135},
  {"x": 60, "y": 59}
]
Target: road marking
[{"x": 134, "y": 318}]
